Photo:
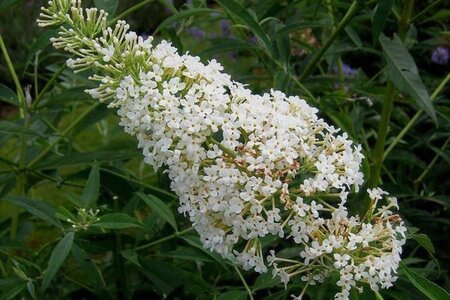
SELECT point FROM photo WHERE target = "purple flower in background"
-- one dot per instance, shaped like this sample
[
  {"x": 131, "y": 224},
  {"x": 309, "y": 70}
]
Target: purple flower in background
[
  {"x": 440, "y": 55},
  {"x": 196, "y": 32},
  {"x": 346, "y": 70},
  {"x": 225, "y": 27},
  {"x": 253, "y": 40}
]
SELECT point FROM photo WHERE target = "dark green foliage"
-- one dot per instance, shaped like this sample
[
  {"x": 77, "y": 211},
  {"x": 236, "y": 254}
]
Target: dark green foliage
[{"x": 61, "y": 153}]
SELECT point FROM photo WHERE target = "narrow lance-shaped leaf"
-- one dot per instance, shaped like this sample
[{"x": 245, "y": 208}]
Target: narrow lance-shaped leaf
[
  {"x": 7, "y": 95},
  {"x": 182, "y": 15},
  {"x": 160, "y": 208},
  {"x": 14, "y": 128},
  {"x": 91, "y": 190},
  {"x": 379, "y": 17},
  {"x": 403, "y": 72},
  {"x": 428, "y": 288},
  {"x": 38, "y": 208},
  {"x": 226, "y": 45},
  {"x": 118, "y": 221},
  {"x": 56, "y": 260},
  {"x": 247, "y": 19},
  {"x": 424, "y": 241},
  {"x": 93, "y": 274}
]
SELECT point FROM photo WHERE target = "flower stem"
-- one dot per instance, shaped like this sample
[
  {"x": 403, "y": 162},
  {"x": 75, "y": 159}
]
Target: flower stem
[
  {"x": 47, "y": 86},
  {"x": 247, "y": 288},
  {"x": 19, "y": 90},
  {"x": 63, "y": 134},
  {"x": 388, "y": 104},
  {"x": 166, "y": 238},
  {"x": 377, "y": 155},
  {"x": 431, "y": 164}
]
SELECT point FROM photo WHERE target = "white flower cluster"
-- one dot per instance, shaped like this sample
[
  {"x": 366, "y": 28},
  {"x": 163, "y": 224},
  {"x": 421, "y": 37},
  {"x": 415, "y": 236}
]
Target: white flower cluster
[{"x": 244, "y": 166}]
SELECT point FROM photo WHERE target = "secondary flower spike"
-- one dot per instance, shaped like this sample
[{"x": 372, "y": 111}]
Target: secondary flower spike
[{"x": 243, "y": 165}]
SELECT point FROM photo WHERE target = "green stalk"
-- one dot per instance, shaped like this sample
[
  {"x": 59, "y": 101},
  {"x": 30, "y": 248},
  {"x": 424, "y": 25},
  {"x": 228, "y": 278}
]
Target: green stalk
[
  {"x": 431, "y": 164},
  {"x": 47, "y": 86},
  {"x": 123, "y": 290},
  {"x": 388, "y": 104},
  {"x": 247, "y": 288},
  {"x": 19, "y": 90},
  {"x": 164, "y": 239},
  {"x": 63, "y": 134},
  {"x": 354, "y": 9},
  {"x": 23, "y": 109},
  {"x": 377, "y": 155},
  {"x": 405, "y": 19},
  {"x": 415, "y": 118}
]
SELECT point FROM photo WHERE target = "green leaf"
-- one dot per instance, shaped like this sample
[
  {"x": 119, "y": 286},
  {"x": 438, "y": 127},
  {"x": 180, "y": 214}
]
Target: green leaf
[
  {"x": 226, "y": 45},
  {"x": 428, "y": 288},
  {"x": 4, "y": 4},
  {"x": 283, "y": 50},
  {"x": 42, "y": 41},
  {"x": 246, "y": 18},
  {"x": 63, "y": 214},
  {"x": 353, "y": 35},
  {"x": 265, "y": 281},
  {"x": 379, "y": 19},
  {"x": 31, "y": 289},
  {"x": 110, "y": 6},
  {"x": 7, "y": 95},
  {"x": 92, "y": 188},
  {"x": 132, "y": 256},
  {"x": 281, "y": 80},
  {"x": 182, "y": 15},
  {"x": 13, "y": 291},
  {"x": 160, "y": 208},
  {"x": 188, "y": 253},
  {"x": 57, "y": 258},
  {"x": 118, "y": 221},
  {"x": 403, "y": 72},
  {"x": 233, "y": 295},
  {"x": 424, "y": 241},
  {"x": 38, "y": 208},
  {"x": 93, "y": 274},
  {"x": 294, "y": 26},
  {"x": 194, "y": 241},
  {"x": 14, "y": 128},
  {"x": 82, "y": 158}
]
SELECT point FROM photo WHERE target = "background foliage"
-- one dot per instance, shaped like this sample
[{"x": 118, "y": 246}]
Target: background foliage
[{"x": 377, "y": 69}]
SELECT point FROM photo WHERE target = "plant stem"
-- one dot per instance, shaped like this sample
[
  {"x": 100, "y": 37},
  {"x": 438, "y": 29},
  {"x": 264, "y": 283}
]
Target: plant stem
[
  {"x": 129, "y": 11},
  {"x": 377, "y": 155},
  {"x": 415, "y": 118},
  {"x": 388, "y": 104},
  {"x": 122, "y": 291},
  {"x": 247, "y": 288},
  {"x": 140, "y": 182},
  {"x": 166, "y": 238},
  {"x": 405, "y": 19},
  {"x": 228, "y": 151},
  {"x": 354, "y": 8},
  {"x": 19, "y": 90},
  {"x": 47, "y": 86},
  {"x": 431, "y": 164},
  {"x": 63, "y": 134}
]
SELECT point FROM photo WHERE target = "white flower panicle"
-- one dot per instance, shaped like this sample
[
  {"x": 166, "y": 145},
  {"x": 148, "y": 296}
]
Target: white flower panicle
[{"x": 243, "y": 165}]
